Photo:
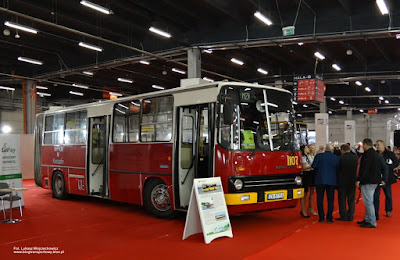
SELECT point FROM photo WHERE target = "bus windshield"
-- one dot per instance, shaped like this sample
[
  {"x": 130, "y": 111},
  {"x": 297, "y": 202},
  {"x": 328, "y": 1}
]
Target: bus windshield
[{"x": 256, "y": 119}]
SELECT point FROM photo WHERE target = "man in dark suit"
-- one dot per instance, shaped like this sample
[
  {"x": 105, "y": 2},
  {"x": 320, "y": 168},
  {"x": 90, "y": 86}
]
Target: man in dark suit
[
  {"x": 347, "y": 177},
  {"x": 391, "y": 162},
  {"x": 326, "y": 165},
  {"x": 368, "y": 179}
]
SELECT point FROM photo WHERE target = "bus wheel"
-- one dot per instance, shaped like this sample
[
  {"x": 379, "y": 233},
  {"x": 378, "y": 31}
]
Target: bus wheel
[
  {"x": 59, "y": 186},
  {"x": 156, "y": 199}
]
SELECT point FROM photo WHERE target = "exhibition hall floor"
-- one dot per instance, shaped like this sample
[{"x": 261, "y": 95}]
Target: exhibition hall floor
[{"x": 88, "y": 228}]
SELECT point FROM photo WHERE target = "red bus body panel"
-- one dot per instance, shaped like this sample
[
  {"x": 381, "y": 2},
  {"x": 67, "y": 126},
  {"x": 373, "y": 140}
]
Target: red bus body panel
[{"x": 132, "y": 164}]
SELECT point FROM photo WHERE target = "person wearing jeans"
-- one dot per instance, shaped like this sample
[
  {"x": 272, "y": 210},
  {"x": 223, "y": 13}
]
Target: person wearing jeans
[
  {"x": 369, "y": 177},
  {"x": 325, "y": 165}
]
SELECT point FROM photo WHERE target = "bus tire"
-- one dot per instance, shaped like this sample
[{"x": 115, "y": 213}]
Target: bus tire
[
  {"x": 58, "y": 186},
  {"x": 156, "y": 199}
]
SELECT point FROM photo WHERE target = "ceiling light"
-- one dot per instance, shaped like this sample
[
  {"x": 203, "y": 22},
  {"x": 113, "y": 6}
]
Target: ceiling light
[
  {"x": 336, "y": 67},
  {"x": 362, "y": 110},
  {"x": 262, "y": 71},
  {"x": 80, "y": 86},
  {"x": 329, "y": 112},
  {"x": 381, "y": 98},
  {"x": 300, "y": 43},
  {"x": 144, "y": 62},
  {"x": 262, "y": 18},
  {"x": 209, "y": 51},
  {"x": 7, "y": 88},
  {"x": 299, "y": 114},
  {"x": 41, "y": 87},
  {"x": 115, "y": 94},
  {"x": 6, "y": 129},
  {"x": 157, "y": 87},
  {"x": 42, "y": 94},
  {"x": 123, "y": 106},
  {"x": 358, "y": 83},
  {"x": 382, "y": 6},
  {"x": 208, "y": 79},
  {"x": 319, "y": 55},
  {"x": 387, "y": 101},
  {"x": 305, "y": 105},
  {"x": 88, "y": 73},
  {"x": 398, "y": 36},
  {"x": 96, "y": 7},
  {"x": 29, "y": 60},
  {"x": 368, "y": 89},
  {"x": 237, "y": 61},
  {"x": 178, "y": 71},
  {"x": 125, "y": 80},
  {"x": 76, "y": 93},
  {"x": 20, "y": 27},
  {"x": 333, "y": 99},
  {"x": 160, "y": 32},
  {"x": 90, "y": 46},
  {"x": 341, "y": 102}
]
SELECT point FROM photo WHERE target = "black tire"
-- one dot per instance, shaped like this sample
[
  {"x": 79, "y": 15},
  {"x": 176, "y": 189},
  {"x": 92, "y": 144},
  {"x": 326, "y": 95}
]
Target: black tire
[
  {"x": 58, "y": 186},
  {"x": 156, "y": 199}
]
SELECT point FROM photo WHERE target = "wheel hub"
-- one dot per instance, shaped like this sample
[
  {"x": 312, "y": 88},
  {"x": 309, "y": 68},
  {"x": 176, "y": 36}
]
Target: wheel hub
[{"x": 160, "y": 197}]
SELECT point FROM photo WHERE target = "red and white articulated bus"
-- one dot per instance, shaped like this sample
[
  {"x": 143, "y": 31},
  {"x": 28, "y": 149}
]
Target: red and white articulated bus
[{"x": 147, "y": 149}]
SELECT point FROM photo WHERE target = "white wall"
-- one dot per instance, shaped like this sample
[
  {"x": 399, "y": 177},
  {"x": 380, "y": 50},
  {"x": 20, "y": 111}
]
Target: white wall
[
  {"x": 378, "y": 127},
  {"x": 15, "y": 119}
]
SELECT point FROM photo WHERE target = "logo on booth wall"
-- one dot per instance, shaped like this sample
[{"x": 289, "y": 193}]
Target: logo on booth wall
[{"x": 7, "y": 149}]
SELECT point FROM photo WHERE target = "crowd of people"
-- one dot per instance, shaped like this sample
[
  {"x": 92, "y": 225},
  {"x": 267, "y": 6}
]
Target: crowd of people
[{"x": 344, "y": 169}]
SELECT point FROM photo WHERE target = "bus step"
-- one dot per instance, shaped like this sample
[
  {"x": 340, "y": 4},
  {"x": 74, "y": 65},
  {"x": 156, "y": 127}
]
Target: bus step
[{"x": 95, "y": 193}]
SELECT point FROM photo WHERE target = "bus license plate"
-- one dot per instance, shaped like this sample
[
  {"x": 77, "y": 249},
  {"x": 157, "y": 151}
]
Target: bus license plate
[{"x": 276, "y": 196}]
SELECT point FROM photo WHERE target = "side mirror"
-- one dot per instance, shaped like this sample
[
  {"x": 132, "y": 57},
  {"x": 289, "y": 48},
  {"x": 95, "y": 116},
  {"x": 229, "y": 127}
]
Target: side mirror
[{"x": 228, "y": 113}]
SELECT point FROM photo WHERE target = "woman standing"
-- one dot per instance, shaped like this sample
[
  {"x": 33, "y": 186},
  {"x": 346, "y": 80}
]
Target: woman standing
[{"x": 308, "y": 181}]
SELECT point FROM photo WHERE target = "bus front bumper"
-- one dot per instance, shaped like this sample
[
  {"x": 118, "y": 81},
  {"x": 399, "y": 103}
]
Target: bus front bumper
[{"x": 263, "y": 196}]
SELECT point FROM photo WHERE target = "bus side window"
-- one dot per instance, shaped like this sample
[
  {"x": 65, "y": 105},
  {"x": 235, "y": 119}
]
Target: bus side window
[
  {"x": 98, "y": 143},
  {"x": 54, "y": 129},
  {"x": 126, "y": 122},
  {"x": 156, "y": 125}
]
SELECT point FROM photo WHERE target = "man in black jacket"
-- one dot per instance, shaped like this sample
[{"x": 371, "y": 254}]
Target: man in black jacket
[
  {"x": 347, "y": 176},
  {"x": 368, "y": 179},
  {"x": 391, "y": 162}
]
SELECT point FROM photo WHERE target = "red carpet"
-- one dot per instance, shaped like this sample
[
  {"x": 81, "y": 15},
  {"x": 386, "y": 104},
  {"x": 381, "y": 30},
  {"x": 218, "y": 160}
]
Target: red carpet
[{"x": 88, "y": 228}]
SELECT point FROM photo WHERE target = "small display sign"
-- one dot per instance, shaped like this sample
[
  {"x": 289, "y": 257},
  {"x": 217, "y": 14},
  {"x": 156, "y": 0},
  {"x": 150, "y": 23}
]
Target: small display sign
[{"x": 207, "y": 212}]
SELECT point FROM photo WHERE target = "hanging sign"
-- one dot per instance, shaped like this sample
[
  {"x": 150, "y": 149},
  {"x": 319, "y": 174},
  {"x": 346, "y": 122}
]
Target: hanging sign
[
  {"x": 10, "y": 163},
  {"x": 207, "y": 211},
  {"x": 372, "y": 111},
  {"x": 309, "y": 89}
]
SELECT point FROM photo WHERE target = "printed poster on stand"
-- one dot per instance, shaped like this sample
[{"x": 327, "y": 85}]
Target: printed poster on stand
[
  {"x": 10, "y": 165},
  {"x": 207, "y": 211}
]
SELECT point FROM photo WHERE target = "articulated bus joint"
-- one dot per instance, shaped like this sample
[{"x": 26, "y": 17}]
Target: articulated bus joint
[{"x": 263, "y": 196}]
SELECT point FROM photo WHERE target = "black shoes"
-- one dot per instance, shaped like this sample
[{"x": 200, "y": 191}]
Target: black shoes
[
  {"x": 341, "y": 219},
  {"x": 361, "y": 222},
  {"x": 367, "y": 225},
  {"x": 304, "y": 216},
  {"x": 320, "y": 220},
  {"x": 330, "y": 220}
]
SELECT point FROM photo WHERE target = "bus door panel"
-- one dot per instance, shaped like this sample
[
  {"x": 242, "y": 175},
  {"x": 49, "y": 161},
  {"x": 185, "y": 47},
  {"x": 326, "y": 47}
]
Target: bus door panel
[
  {"x": 205, "y": 143},
  {"x": 97, "y": 156},
  {"x": 186, "y": 153}
]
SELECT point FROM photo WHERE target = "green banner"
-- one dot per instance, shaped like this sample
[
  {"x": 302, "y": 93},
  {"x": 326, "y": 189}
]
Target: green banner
[{"x": 11, "y": 176}]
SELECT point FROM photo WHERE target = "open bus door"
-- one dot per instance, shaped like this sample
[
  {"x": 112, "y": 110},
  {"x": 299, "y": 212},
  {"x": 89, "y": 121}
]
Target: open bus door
[
  {"x": 194, "y": 148},
  {"x": 98, "y": 156}
]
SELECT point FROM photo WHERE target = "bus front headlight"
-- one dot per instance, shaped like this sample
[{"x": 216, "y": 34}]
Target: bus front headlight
[
  {"x": 298, "y": 180},
  {"x": 238, "y": 184}
]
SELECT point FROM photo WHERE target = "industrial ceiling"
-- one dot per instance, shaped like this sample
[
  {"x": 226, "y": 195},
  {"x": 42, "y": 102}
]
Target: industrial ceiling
[{"x": 131, "y": 58}]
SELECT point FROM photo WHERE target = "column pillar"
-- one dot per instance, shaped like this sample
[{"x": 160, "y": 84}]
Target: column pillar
[
  {"x": 322, "y": 106},
  {"x": 321, "y": 129},
  {"x": 350, "y": 129},
  {"x": 194, "y": 63},
  {"x": 29, "y": 105}
]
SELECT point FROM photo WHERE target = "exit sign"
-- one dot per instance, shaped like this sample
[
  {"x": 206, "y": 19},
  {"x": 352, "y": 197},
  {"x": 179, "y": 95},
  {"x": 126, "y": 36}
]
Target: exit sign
[{"x": 288, "y": 30}]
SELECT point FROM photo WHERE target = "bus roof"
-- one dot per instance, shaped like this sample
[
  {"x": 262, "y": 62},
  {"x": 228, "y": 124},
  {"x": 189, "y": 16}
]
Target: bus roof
[{"x": 163, "y": 92}]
